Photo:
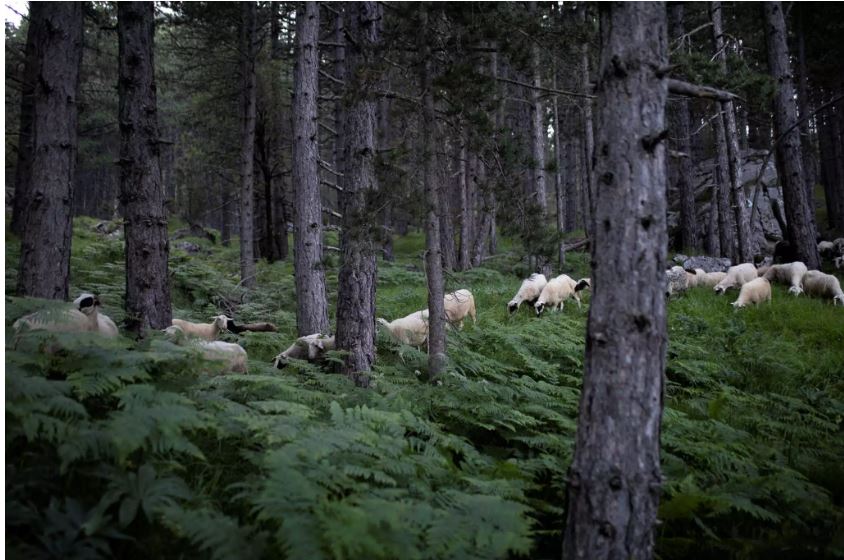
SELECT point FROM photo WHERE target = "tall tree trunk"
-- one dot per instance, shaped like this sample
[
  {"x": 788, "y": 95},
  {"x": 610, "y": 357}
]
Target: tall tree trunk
[
  {"x": 799, "y": 210},
  {"x": 56, "y": 30},
  {"x": 744, "y": 250},
  {"x": 588, "y": 137},
  {"x": 340, "y": 74},
  {"x": 726, "y": 227},
  {"x": 573, "y": 173},
  {"x": 559, "y": 186},
  {"x": 538, "y": 134},
  {"x": 433, "y": 257},
  {"x": 713, "y": 237},
  {"x": 225, "y": 212},
  {"x": 465, "y": 208},
  {"x": 614, "y": 480},
  {"x": 356, "y": 295},
  {"x": 248, "y": 48},
  {"x": 141, "y": 192},
  {"x": 276, "y": 50},
  {"x": 836, "y": 130},
  {"x": 829, "y": 172},
  {"x": 447, "y": 237},
  {"x": 804, "y": 108},
  {"x": 311, "y": 305},
  {"x": 26, "y": 137},
  {"x": 685, "y": 186}
]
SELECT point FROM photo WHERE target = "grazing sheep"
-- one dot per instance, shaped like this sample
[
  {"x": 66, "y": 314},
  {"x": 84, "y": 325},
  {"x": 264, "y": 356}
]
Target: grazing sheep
[
  {"x": 710, "y": 279},
  {"x": 233, "y": 356},
  {"x": 83, "y": 317},
  {"x": 790, "y": 274},
  {"x": 826, "y": 249},
  {"x": 826, "y": 286},
  {"x": 528, "y": 292},
  {"x": 311, "y": 348},
  {"x": 458, "y": 305},
  {"x": 693, "y": 277},
  {"x": 736, "y": 277},
  {"x": 676, "y": 281},
  {"x": 207, "y": 331},
  {"x": 838, "y": 243},
  {"x": 756, "y": 291},
  {"x": 558, "y": 290},
  {"x": 411, "y": 330}
]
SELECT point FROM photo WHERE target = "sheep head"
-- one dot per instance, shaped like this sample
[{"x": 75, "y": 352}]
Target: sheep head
[
  {"x": 221, "y": 322},
  {"x": 796, "y": 290},
  {"x": 512, "y": 306},
  {"x": 838, "y": 299},
  {"x": 540, "y": 307},
  {"x": 86, "y": 303}
]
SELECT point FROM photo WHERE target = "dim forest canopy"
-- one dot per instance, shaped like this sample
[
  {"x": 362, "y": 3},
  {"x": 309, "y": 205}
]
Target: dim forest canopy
[{"x": 358, "y": 280}]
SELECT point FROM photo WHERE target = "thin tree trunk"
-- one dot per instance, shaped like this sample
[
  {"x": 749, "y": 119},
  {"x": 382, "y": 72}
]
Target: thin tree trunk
[
  {"x": 588, "y": 137},
  {"x": 141, "y": 192},
  {"x": 311, "y": 305},
  {"x": 47, "y": 216},
  {"x": 340, "y": 74},
  {"x": 799, "y": 210},
  {"x": 837, "y": 133},
  {"x": 433, "y": 257},
  {"x": 726, "y": 227},
  {"x": 575, "y": 196},
  {"x": 465, "y": 208},
  {"x": 614, "y": 480},
  {"x": 247, "y": 146},
  {"x": 713, "y": 237},
  {"x": 225, "y": 201},
  {"x": 356, "y": 296},
  {"x": 26, "y": 137},
  {"x": 538, "y": 133},
  {"x": 559, "y": 187},
  {"x": 804, "y": 108},
  {"x": 684, "y": 184},
  {"x": 744, "y": 251}
]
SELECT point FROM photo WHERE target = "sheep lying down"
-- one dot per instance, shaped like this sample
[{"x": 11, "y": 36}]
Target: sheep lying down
[
  {"x": 231, "y": 357},
  {"x": 311, "y": 348},
  {"x": 83, "y": 316}
]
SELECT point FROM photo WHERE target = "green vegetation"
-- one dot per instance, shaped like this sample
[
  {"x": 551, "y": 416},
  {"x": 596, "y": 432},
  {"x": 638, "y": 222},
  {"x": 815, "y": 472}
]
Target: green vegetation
[{"x": 118, "y": 449}]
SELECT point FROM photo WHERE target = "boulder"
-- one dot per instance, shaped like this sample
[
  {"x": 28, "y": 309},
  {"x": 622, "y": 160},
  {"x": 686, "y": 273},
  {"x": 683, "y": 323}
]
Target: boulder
[{"x": 708, "y": 264}]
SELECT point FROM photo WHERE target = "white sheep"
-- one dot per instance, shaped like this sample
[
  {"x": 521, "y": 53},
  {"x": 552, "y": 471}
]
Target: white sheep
[
  {"x": 311, "y": 348},
  {"x": 826, "y": 286},
  {"x": 411, "y": 330},
  {"x": 207, "y": 331},
  {"x": 756, "y": 291},
  {"x": 558, "y": 290},
  {"x": 232, "y": 356},
  {"x": 529, "y": 291},
  {"x": 82, "y": 317},
  {"x": 710, "y": 279},
  {"x": 459, "y": 305},
  {"x": 790, "y": 274},
  {"x": 693, "y": 277},
  {"x": 676, "y": 280},
  {"x": 736, "y": 277},
  {"x": 826, "y": 248}
]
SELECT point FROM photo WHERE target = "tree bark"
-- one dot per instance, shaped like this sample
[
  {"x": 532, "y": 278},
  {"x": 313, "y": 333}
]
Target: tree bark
[
  {"x": 713, "y": 237},
  {"x": 614, "y": 480},
  {"x": 726, "y": 226},
  {"x": 804, "y": 108},
  {"x": 685, "y": 186},
  {"x": 744, "y": 250},
  {"x": 141, "y": 192},
  {"x": 311, "y": 305},
  {"x": 47, "y": 215},
  {"x": 574, "y": 155},
  {"x": 357, "y": 278},
  {"x": 559, "y": 186},
  {"x": 799, "y": 210},
  {"x": 26, "y": 137},
  {"x": 433, "y": 256},
  {"x": 248, "y": 50},
  {"x": 538, "y": 133},
  {"x": 588, "y": 138},
  {"x": 836, "y": 132},
  {"x": 465, "y": 208}
]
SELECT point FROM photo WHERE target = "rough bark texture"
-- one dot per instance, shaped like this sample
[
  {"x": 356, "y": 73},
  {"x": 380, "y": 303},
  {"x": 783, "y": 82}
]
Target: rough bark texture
[
  {"x": 799, "y": 211},
  {"x": 339, "y": 73},
  {"x": 311, "y": 306},
  {"x": 26, "y": 137},
  {"x": 726, "y": 226},
  {"x": 47, "y": 220},
  {"x": 713, "y": 241},
  {"x": 588, "y": 139},
  {"x": 247, "y": 143},
  {"x": 804, "y": 107},
  {"x": 614, "y": 480},
  {"x": 433, "y": 256},
  {"x": 538, "y": 132},
  {"x": 356, "y": 295},
  {"x": 573, "y": 155},
  {"x": 559, "y": 186},
  {"x": 141, "y": 192},
  {"x": 465, "y": 210},
  {"x": 684, "y": 184},
  {"x": 744, "y": 250}
]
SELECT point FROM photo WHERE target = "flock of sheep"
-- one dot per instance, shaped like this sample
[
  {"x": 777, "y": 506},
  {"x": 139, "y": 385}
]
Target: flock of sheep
[{"x": 754, "y": 287}]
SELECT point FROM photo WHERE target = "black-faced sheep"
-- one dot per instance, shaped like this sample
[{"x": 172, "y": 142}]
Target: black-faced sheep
[
  {"x": 311, "y": 348},
  {"x": 790, "y": 274},
  {"x": 736, "y": 277},
  {"x": 529, "y": 291},
  {"x": 820, "y": 285},
  {"x": 82, "y": 317},
  {"x": 558, "y": 290},
  {"x": 753, "y": 292},
  {"x": 206, "y": 331}
]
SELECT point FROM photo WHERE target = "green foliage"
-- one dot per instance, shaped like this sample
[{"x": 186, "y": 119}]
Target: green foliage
[{"x": 133, "y": 450}]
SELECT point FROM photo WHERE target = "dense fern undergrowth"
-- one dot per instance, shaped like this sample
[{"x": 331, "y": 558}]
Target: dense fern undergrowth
[{"x": 118, "y": 449}]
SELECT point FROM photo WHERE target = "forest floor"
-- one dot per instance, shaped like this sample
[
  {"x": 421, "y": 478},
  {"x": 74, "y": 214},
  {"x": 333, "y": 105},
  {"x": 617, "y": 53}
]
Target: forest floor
[{"x": 303, "y": 462}]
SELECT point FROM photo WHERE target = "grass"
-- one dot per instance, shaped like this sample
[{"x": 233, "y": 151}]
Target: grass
[{"x": 753, "y": 451}]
